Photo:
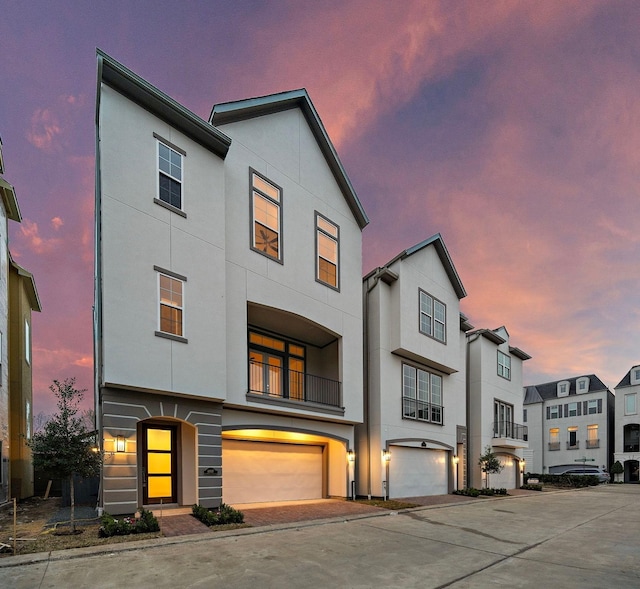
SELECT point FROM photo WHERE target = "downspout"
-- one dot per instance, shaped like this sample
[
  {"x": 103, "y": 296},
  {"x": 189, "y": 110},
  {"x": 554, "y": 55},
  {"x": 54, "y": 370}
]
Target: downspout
[{"x": 474, "y": 337}]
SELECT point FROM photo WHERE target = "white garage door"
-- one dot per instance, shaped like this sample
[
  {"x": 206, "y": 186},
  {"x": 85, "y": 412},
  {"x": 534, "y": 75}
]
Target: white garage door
[
  {"x": 414, "y": 472},
  {"x": 506, "y": 479},
  {"x": 253, "y": 472}
]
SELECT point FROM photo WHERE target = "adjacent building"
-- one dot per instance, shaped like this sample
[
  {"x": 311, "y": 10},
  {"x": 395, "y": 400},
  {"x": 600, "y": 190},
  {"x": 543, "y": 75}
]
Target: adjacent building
[
  {"x": 494, "y": 398},
  {"x": 570, "y": 422},
  {"x": 228, "y": 324},
  {"x": 627, "y": 425},
  {"x": 413, "y": 439}
]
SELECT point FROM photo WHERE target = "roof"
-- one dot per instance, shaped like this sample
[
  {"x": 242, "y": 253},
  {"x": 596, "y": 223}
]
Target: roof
[
  {"x": 441, "y": 249},
  {"x": 494, "y": 336},
  {"x": 29, "y": 284},
  {"x": 10, "y": 201},
  {"x": 626, "y": 381},
  {"x": 230, "y": 112},
  {"x": 549, "y": 390},
  {"x": 129, "y": 84}
]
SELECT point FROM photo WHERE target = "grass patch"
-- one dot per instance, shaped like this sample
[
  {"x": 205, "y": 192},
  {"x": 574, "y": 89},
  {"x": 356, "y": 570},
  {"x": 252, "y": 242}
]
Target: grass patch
[{"x": 391, "y": 504}]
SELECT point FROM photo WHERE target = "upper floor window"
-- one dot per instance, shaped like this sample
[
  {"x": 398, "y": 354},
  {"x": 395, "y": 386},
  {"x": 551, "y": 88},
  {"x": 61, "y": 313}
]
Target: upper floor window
[
  {"x": 563, "y": 389},
  {"x": 582, "y": 385},
  {"x": 572, "y": 442},
  {"x": 503, "y": 425},
  {"x": 573, "y": 410},
  {"x": 554, "y": 438},
  {"x": 635, "y": 375},
  {"x": 266, "y": 223},
  {"x": 630, "y": 404},
  {"x": 553, "y": 412},
  {"x": 327, "y": 251},
  {"x": 592, "y": 407},
  {"x": 170, "y": 174},
  {"x": 504, "y": 365},
  {"x": 524, "y": 416},
  {"x": 433, "y": 317},
  {"x": 421, "y": 395},
  {"x": 171, "y": 304},
  {"x": 27, "y": 342}
]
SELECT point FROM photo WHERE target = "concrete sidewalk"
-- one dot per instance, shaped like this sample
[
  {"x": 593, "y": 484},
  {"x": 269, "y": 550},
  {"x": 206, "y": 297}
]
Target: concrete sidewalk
[{"x": 582, "y": 538}]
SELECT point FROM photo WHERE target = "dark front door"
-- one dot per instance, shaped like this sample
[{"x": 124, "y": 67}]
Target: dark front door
[{"x": 159, "y": 464}]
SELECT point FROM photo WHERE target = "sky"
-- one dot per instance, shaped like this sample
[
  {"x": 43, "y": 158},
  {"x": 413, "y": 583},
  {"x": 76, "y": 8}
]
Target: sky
[{"x": 512, "y": 128}]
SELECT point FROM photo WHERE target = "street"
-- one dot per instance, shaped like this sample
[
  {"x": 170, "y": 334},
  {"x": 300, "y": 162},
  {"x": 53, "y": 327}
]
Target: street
[{"x": 582, "y": 538}]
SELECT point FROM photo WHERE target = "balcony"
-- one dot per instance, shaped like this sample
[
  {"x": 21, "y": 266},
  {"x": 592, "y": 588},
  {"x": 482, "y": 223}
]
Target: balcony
[
  {"x": 591, "y": 444},
  {"x": 507, "y": 434},
  {"x": 574, "y": 446},
  {"x": 422, "y": 410},
  {"x": 554, "y": 446},
  {"x": 276, "y": 382}
]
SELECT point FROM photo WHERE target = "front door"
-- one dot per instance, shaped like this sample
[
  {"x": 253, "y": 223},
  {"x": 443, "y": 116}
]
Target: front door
[{"x": 159, "y": 464}]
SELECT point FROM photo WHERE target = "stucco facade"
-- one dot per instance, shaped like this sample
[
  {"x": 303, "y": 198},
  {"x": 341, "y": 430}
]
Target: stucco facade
[{"x": 627, "y": 426}]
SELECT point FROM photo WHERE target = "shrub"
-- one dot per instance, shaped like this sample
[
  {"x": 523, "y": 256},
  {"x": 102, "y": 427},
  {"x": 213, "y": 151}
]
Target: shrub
[
  {"x": 124, "y": 526},
  {"x": 566, "y": 480},
  {"x": 469, "y": 492},
  {"x": 225, "y": 514},
  {"x": 532, "y": 487}
]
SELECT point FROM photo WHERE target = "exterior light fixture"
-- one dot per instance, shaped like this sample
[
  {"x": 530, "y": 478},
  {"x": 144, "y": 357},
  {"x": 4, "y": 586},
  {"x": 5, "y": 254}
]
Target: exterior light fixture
[
  {"x": 522, "y": 464},
  {"x": 386, "y": 455},
  {"x": 120, "y": 444},
  {"x": 424, "y": 444},
  {"x": 351, "y": 457},
  {"x": 456, "y": 459},
  {"x": 95, "y": 449}
]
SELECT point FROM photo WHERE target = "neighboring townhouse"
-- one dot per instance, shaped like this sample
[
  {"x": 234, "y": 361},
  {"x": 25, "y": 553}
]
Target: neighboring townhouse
[
  {"x": 9, "y": 210},
  {"x": 413, "y": 439},
  {"x": 570, "y": 423},
  {"x": 494, "y": 401},
  {"x": 23, "y": 300},
  {"x": 228, "y": 324},
  {"x": 627, "y": 425}
]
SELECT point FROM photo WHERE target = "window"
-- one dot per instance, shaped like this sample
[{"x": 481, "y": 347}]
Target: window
[
  {"x": 504, "y": 365},
  {"x": 524, "y": 416},
  {"x": 433, "y": 317},
  {"x": 554, "y": 438},
  {"x": 421, "y": 395},
  {"x": 27, "y": 411},
  {"x": 553, "y": 412},
  {"x": 327, "y": 240},
  {"x": 635, "y": 375},
  {"x": 631, "y": 435},
  {"x": 266, "y": 207},
  {"x": 503, "y": 426},
  {"x": 592, "y": 436},
  {"x": 563, "y": 389},
  {"x": 572, "y": 442},
  {"x": 629, "y": 404},
  {"x": 573, "y": 409},
  {"x": 582, "y": 385},
  {"x": 171, "y": 304},
  {"x": 169, "y": 174},
  {"x": 592, "y": 407},
  {"x": 27, "y": 342}
]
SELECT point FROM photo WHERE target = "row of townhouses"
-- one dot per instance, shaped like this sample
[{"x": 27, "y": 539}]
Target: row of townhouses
[
  {"x": 18, "y": 298},
  {"x": 240, "y": 355}
]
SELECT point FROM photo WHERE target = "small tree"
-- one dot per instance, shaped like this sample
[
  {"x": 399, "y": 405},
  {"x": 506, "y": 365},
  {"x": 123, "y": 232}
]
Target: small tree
[
  {"x": 617, "y": 469},
  {"x": 489, "y": 463},
  {"x": 65, "y": 446}
]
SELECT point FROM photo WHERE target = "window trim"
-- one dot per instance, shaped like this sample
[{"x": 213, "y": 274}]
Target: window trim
[
  {"x": 432, "y": 320},
  {"x": 633, "y": 396},
  {"x": 182, "y": 279},
  {"x": 501, "y": 355},
  {"x": 252, "y": 190},
  {"x": 320, "y": 231},
  {"x": 183, "y": 154}
]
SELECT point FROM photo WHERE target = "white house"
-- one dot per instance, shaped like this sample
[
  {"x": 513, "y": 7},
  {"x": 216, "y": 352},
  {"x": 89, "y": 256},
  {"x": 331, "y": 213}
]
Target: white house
[
  {"x": 414, "y": 431},
  {"x": 570, "y": 422},
  {"x": 627, "y": 425},
  {"x": 494, "y": 389},
  {"x": 228, "y": 320}
]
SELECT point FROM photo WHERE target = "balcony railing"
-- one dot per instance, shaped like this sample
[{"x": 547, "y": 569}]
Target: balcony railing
[
  {"x": 422, "y": 410},
  {"x": 554, "y": 446},
  {"x": 509, "y": 429},
  {"x": 632, "y": 447},
  {"x": 282, "y": 383},
  {"x": 575, "y": 446},
  {"x": 593, "y": 444}
]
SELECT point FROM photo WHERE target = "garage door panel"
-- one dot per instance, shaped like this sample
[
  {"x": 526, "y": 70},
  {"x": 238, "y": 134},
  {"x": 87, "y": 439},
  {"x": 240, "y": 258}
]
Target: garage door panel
[
  {"x": 255, "y": 472},
  {"x": 506, "y": 479},
  {"x": 414, "y": 472}
]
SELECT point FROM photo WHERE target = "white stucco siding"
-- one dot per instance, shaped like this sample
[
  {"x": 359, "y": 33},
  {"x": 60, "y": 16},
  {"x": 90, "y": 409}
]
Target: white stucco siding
[{"x": 414, "y": 472}]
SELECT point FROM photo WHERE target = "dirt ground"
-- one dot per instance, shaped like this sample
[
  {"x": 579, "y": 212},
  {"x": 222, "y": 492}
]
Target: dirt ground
[{"x": 34, "y": 534}]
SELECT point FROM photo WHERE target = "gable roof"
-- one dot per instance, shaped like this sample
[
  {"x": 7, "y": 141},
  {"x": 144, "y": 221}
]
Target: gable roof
[
  {"x": 626, "y": 380},
  {"x": 231, "y": 112},
  {"x": 8, "y": 194},
  {"x": 494, "y": 336},
  {"x": 549, "y": 390},
  {"x": 129, "y": 84},
  {"x": 29, "y": 284},
  {"x": 441, "y": 249},
  {"x": 531, "y": 395}
]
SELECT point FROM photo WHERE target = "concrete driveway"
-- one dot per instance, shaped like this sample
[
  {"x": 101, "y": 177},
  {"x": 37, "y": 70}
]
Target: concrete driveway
[{"x": 582, "y": 538}]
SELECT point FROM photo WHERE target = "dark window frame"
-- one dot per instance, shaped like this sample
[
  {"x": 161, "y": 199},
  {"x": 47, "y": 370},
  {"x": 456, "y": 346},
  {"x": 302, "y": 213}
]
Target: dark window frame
[
  {"x": 252, "y": 217},
  {"x": 433, "y": 320},
  {"x": 320, "y": 231}
]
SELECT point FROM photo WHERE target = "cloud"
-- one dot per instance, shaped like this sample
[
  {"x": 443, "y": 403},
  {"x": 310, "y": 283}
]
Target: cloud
[
  {"x": 33, "y": 241},
  {"x": 56, "y": 223},
  {"x": 51, "y": 127},
  {"x": 45, "y": 127}
]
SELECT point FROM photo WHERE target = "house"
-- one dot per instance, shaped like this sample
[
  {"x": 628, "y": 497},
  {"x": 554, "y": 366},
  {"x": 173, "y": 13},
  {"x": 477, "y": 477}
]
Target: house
[
  {"x": 228, "y": 309},
  {"x": 494, "y": 401},
  {"x": 570, "y": 422},
  {"x": 627, "y": 425},
  {"x": 23, "y": 300},
  {"x": 9, "y": 397},
  {"x": 414, "y": 432}
]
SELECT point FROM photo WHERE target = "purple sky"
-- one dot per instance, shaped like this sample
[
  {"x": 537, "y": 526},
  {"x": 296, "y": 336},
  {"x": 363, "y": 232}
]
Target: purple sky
[{"x": 512, "y": 128}]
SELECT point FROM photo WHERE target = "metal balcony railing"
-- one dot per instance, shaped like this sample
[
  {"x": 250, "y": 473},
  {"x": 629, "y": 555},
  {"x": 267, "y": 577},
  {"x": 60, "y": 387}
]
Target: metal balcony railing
[
  {"x": 593, "y": 444},
  {"x": 279, "y": 382},
  {"x": 554, "y": 445},
  {"x": 422, "y": 410},
  {"x": 575, "y": 446},
  {"x": 509, "y": 429},
  {"x": 632, "y": 447}
]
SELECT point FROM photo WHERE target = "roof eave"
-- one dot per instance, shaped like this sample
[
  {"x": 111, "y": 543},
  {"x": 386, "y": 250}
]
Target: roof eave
[{"x": 10, "y": 201}]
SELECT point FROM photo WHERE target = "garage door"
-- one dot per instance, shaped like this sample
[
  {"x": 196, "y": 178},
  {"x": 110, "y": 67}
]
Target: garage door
[
  {"x": 506, "y": 479},
  {"x": 414, "y": 472},
  {"x": 254, "y": 472}
]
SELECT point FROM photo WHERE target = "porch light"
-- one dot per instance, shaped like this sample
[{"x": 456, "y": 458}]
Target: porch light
[
  {"x": 386, "y": 455},
  {"x": 522, "y": 464},
  {"x": 456, "y": 459},
  {"x": 120, "y": 444},
  {"x": 351, "y": 457}
]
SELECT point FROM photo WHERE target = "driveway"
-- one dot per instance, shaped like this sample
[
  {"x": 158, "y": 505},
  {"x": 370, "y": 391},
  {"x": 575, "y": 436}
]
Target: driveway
[{"x": 582, "y": 538}]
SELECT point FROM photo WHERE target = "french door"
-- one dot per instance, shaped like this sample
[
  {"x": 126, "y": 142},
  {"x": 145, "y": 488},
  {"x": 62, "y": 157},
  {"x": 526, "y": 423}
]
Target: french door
[{"x": 159, "y": 464}]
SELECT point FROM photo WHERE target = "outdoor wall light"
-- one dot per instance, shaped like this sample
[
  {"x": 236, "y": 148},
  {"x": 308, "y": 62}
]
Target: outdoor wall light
[
  {"x": 351, "y": 457},
  {"x": 386, "y": 455},
  {"x": 424, "y": 444},
  {"x": 522, "y": 463},
  {"x": 456, "y": 459},
  {"x": 120, "y": 444}
]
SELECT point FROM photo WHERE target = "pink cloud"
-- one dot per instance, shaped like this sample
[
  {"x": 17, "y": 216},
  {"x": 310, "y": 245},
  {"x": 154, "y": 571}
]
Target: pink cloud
[
  {"x": 33, "y": 241},
  {"x": 45, "y": 127},
  {"x": 49, "y": 126},
  {"x": 56, "y": 223}
]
